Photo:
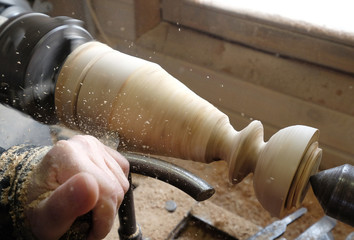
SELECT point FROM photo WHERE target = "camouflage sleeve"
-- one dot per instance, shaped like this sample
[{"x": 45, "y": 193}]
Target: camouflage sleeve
[{"x": 16, "y": 165}]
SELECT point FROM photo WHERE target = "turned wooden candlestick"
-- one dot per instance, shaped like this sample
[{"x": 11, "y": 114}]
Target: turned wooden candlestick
[{"x": 102, "y": 90}]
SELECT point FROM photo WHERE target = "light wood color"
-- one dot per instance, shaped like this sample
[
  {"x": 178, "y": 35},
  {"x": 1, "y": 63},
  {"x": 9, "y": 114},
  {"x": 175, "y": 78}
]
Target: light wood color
[{"x": 100, "y": 89}]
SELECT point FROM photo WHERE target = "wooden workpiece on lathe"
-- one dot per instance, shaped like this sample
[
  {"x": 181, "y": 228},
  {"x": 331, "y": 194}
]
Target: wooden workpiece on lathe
[{"x": 100, "y": 89}]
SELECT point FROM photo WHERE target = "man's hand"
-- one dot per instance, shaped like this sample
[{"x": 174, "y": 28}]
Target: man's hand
[{"x": 74, "y": 177}]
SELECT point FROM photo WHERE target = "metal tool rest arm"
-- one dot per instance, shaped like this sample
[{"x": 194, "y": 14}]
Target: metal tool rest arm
[{"x": 194, "y": 186}]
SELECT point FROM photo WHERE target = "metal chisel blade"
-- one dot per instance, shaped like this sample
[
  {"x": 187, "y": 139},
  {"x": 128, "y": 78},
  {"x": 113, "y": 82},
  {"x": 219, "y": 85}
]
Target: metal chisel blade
[{"x": 277, "y": 228}]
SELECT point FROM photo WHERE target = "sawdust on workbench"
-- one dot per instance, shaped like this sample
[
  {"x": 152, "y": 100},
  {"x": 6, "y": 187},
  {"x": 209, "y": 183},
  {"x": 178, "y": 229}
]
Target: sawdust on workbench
[
  {"x": 241, "y": 200},
  {"x": 238, "y": 199}
]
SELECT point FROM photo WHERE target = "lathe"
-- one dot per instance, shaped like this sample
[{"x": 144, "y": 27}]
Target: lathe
[{"x": 53, "y": 70}]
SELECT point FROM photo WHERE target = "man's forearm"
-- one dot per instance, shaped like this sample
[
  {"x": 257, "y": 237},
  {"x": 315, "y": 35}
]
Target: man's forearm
[{"x": 16, "y": 165}]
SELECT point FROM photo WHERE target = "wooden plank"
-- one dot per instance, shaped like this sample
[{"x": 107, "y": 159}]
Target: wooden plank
[
  {"x": 264, "y": 35},
  {"x": 147, "y": 14},
  {"x": 128, "y": 19},
  {"x": 116, "y": 18}
]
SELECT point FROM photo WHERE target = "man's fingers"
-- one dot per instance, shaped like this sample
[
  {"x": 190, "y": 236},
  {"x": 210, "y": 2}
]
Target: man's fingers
[
  {"x": 105, "y": 211},
  {"x": 120, "y": 159},
  {"x": 103, "y": 219},
  {"x": 118, "y": 172},
  {"x": 54, "y": 215}
]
